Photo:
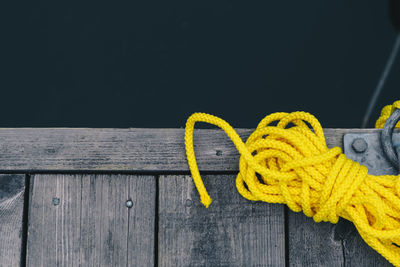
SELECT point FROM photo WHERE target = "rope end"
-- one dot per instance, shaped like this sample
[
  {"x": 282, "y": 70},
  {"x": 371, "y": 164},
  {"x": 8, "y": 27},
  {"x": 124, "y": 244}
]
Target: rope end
[{"x": 206, "y": 200}]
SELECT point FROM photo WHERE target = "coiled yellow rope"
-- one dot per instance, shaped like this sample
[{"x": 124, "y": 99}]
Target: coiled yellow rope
[
  {"x": 290, "y": 163},
  {"x": 385, "y": 113}
]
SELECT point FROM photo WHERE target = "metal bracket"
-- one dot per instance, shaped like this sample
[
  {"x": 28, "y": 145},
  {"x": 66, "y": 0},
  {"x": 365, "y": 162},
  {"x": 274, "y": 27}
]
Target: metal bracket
[{"x": 366, "y": 149}]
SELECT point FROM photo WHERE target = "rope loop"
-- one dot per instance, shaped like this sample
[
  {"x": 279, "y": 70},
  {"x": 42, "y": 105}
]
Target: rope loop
[
  {"x": 286, "y": 160},
  {"x": 385, "y": 114}
]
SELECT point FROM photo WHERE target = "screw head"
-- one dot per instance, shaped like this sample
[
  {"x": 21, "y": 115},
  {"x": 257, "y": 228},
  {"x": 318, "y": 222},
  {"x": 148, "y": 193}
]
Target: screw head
[
  {"x": 56, "y": 201},
  {"x": 129, "y": 203},
  {"x": 359, "y": 145},
  {"x": 218, "y": 153}
]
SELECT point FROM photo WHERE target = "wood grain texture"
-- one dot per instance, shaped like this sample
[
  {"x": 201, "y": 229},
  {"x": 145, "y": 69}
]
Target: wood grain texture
[
  {"x": 12, "y": 189},
  {"x": 121, "y": 150},
  {"x": 82, "y": 220},
  {"x": 313, "y": 244},
  {"x": 231, "y": 232},
  {"x": 358, "y": 253}
]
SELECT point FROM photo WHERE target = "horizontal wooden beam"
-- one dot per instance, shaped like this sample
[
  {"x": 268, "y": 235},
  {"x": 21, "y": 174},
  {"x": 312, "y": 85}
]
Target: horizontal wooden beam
[{"x": 30, "y": 150}]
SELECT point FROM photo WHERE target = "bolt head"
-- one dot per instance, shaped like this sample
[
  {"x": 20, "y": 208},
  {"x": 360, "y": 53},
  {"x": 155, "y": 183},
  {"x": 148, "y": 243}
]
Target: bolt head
[
  {"x": 359, "y": 145},
  {"x": 129, "y": 203}
]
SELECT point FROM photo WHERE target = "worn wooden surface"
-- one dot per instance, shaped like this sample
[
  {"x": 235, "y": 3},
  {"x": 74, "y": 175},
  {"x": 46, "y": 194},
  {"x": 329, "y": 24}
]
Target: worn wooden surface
[
  {"x": 312, "y": 244},
  {"x": 12, "y": 189},
  {"x": 82, "y": 220},
  {"x": 121, "y": 150},
  {"x": 358, "y": 253},
  {"x": 231, "y": 232}
]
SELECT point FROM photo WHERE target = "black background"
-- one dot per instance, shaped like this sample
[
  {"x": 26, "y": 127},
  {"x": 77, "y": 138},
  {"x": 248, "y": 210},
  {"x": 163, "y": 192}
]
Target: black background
[{"x": 153, "y": 63}]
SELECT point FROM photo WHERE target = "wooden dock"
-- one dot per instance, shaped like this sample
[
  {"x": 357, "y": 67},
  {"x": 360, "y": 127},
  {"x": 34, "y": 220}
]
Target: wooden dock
[{"x": 124, "y": 197}]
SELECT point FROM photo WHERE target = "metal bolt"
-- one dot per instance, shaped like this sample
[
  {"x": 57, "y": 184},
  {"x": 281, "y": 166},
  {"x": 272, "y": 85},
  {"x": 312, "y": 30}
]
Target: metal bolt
[
  {"x": 56, "y": 201},
  {"x": 129, "y": 203},
  {"x": 359, "y": 145},
  {"x": 218, "y": 153},
  {"x": 188, "y": 203}
]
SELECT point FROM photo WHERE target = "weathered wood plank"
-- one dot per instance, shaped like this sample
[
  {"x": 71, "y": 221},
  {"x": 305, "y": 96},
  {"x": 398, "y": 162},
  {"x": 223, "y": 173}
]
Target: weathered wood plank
[
  {"x": 231, "y": 232},
  {"x": 12, "y": 189},
  {"x": 313, "y": 244},
  {"x": 158, "y": 150},
  {"x": 358, "y": 253},
  {"x": 82, "y": 220}
]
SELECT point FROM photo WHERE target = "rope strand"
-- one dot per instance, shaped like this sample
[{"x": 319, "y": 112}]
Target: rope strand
[{"x": 290, "y": 164}]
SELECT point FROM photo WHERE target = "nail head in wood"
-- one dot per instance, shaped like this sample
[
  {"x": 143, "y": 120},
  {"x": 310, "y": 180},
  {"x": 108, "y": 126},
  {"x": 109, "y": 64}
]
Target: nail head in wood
[
  {"x": 56, "y": 201},
  {"x": 129, "y": 203},
  {"x": 188, "y": 203}
]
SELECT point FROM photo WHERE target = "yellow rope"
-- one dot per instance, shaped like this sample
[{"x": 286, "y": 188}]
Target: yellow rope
[
  {"x": 290, "y": 163},
  {"x": 385, "y": 113}
]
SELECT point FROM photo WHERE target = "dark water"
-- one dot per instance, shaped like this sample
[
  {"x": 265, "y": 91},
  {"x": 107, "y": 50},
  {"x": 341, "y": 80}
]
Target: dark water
[{"x": 153, "y": 63}]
